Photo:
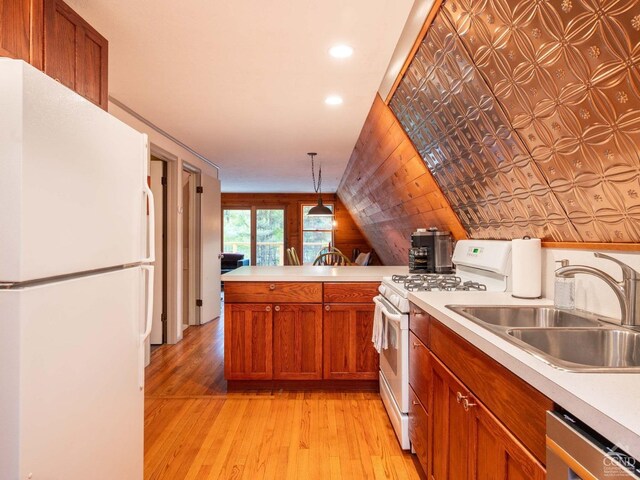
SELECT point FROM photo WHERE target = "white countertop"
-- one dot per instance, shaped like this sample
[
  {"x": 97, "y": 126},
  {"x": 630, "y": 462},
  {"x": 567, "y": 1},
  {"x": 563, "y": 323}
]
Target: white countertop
[
  {"x": 608, "y": 403},
  {"x": 310, "y": 273}
]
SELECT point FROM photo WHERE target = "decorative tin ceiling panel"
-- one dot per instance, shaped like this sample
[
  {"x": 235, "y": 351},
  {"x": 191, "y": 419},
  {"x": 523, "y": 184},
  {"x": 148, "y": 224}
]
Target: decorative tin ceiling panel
[{"x": 528, "y": 115}]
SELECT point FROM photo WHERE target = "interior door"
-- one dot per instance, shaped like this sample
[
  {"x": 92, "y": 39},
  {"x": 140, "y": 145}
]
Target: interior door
[
  {"x": 157, "y": 328},
  {"x": 210, "y": 209}
]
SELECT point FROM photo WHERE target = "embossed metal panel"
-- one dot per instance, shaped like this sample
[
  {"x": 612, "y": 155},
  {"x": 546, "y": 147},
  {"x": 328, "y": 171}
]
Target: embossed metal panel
[{"x": 528, "y": 115}]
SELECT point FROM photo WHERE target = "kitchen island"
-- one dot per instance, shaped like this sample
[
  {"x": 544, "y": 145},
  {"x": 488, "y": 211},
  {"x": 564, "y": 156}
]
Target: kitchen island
[{"x": 301, "y": 326}]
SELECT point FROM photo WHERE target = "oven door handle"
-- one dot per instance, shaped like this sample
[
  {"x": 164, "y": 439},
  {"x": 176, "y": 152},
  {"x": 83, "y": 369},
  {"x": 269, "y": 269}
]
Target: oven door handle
[{"x": 396, "y": 317}]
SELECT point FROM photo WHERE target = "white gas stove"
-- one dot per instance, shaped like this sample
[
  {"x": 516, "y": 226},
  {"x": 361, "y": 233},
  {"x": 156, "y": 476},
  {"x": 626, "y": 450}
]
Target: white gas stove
[{"x": 481, "y": 265}]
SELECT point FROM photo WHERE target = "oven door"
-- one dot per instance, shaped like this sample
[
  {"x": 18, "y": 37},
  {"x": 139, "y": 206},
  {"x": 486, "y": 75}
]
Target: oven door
[{"x": 394, "y": 359}]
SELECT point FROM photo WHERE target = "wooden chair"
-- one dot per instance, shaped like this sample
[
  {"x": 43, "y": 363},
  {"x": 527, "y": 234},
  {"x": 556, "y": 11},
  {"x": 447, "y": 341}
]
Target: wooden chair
[
  {"x": 332, "y": 258},
  {"x": 292, "y": 256}
]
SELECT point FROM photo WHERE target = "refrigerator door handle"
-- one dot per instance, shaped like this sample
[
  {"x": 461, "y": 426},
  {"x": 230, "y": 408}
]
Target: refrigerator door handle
[
  {"x": 148, "y": 322},
  {"x": 151, "y": 225}
]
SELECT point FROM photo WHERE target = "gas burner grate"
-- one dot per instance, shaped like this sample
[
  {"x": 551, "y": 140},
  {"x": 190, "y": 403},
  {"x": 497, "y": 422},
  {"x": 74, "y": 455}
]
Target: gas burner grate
[{"x": 437, "y": 282}]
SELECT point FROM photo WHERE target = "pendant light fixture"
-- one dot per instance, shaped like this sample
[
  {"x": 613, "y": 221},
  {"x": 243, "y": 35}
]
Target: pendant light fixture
[{"x": 319, "y": 210}]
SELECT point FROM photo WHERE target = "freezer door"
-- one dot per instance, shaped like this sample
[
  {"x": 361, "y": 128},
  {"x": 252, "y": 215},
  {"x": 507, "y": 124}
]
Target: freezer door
[
  {"x": 72, "y": 181},
  {"x": 70, "y": 385}
]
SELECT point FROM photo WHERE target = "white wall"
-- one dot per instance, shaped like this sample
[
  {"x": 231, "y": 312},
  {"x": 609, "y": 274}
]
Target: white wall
[
  {"x": 175, "y": 155},
  {"x": 592, "y": 294}
]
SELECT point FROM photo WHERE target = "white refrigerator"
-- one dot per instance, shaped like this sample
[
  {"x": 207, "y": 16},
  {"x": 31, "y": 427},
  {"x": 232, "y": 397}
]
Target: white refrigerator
[{"x": 75, "y": 283}]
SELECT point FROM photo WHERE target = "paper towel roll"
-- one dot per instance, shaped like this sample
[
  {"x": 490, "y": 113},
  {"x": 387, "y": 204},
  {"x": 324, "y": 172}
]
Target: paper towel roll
[{"x": 526, "y": 261}]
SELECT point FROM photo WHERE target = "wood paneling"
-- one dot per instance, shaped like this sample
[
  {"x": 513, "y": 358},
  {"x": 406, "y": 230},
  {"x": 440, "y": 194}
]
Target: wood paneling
[
  {"x": 248, "y": 346},
  {"x": 348, "y": 351},
  {"x": 516, "y": 403},
  {"x": 389, "y": 191},
  {"x": 297, "y": 342},
  {"x": 350, "y": 292},
  {"x": 272, "y": 292},
  {"x": 347, "y": 235}
]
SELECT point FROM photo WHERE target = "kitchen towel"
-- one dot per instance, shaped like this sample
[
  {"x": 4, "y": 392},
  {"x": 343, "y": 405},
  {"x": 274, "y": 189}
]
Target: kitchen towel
[
  {"x": 378, "y": 336},
  {"x": 526, "y": 261}
]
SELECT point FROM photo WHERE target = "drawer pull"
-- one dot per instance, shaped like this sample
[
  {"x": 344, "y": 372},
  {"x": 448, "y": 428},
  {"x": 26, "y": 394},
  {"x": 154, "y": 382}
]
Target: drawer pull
[
  {"x": 416, "y": 344},
  {"x": 415, "y": 402},
  {"x": 272, "y": 286},
  {"x": 277, "y": 308},
  {"x": 460, "y": 397},
  {"x": 466, "y": 404},
  {"x": 327, "y": 308},
  {"x": 268, "y": 308}
]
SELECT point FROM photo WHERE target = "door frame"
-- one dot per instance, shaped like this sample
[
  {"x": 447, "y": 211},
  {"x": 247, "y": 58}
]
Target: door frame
[
  {"x": 165, "y": 255},
  {"x": 195, "y": 262}
]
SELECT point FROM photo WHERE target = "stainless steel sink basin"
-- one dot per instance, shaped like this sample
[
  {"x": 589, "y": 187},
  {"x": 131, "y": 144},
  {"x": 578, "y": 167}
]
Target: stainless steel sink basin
[
  {"x": 526, "y": 317},
  {"x": 570, "y": 340},
  {"x": 603, "y": 349}
]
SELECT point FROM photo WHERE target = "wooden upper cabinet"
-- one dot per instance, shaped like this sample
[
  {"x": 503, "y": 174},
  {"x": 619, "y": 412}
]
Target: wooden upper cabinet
[
  {"x": 75, "y": 54},
  {"x": 348, "y": 351},
  {"x": 15, "y": 29},
  {"x": 248, "y": 333},
  {"x": 297, "y": 342}
]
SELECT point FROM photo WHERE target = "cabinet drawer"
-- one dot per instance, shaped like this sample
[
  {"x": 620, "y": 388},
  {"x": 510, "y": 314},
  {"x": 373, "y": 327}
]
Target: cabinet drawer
[
  {"x": 519, "y": 406},
  {"x": 419, "y": 323},
  {"x": 419, "y": 369},
  {"x": 419, "y": 429},
  {"x": 350, "y": 292},
  {"x": 273, "y": 292}
]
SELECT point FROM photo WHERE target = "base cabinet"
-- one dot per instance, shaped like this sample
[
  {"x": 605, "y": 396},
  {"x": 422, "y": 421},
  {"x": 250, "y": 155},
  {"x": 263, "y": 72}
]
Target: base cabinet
[
  {"x": 297, "y": 342},
  {"x": 248, "y": 330},
  {"x": 419, "y": 430},
  {"x": 348, "y": 351}
]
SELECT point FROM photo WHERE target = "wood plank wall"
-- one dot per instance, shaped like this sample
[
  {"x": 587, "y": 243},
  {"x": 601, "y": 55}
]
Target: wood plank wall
[
  {"x": 347, "y": 235},
  {"x": 389, "y": 191}
]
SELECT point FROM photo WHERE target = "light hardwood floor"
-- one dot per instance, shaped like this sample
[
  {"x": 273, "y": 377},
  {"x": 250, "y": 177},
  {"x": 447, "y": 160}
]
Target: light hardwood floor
[{"x": 194, "y": 429}]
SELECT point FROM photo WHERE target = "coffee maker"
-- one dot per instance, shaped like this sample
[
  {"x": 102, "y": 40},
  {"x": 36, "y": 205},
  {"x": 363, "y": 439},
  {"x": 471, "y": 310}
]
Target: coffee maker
[{"x": 431, "y": 251}]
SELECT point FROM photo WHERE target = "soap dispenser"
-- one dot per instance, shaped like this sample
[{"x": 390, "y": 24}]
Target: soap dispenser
[{"x": 564, "y": 289}]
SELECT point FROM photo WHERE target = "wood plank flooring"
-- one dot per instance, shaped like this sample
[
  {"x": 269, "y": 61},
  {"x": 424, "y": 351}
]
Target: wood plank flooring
[{"x": 194, "y": 429}]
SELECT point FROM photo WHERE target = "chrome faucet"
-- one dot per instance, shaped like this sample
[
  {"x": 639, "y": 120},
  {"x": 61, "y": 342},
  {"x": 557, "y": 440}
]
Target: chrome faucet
[{"x": 626, "y": 290}]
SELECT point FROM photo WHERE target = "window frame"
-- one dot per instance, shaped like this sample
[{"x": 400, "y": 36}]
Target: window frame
[
  {"x": 254, "y": 226},
  {"x": 331, "y": 205}
]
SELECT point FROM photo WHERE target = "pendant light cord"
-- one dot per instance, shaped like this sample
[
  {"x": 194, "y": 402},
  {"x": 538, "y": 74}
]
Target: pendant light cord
[{"x": 318, "y": 189}]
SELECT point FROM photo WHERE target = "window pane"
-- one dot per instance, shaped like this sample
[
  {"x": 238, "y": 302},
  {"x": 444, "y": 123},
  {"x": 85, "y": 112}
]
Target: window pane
[
  {"x": 313, "y": 243},
  {"x": 316, "y": 223},
  {"x": 237, "y": 232},
  {"x": 269, "y": 237}
]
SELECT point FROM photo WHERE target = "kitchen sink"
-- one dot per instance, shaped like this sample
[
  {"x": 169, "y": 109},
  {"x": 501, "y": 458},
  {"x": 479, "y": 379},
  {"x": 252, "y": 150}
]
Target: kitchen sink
[
  {"x": 526, "y": 317},
  {"x": 572, "y": 340},
  {"x": 582, "y": 349}
]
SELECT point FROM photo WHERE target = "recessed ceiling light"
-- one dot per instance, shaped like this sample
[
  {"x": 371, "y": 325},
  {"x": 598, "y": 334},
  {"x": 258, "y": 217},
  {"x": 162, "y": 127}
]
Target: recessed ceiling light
[
  {"x": 333, "y": 100},
  {"x": 341, "y": 51}
]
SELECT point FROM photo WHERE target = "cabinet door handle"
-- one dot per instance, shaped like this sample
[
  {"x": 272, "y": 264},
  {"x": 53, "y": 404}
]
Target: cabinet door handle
[
  {"x": 415, "y": 402},
  {"x": 416, "y": 345},
  {"x": 277, "y": 308},
  {"x": 272, "y": 286},
  {"x": 327, "y": 308},
  {"x": 268, "y": 308},
  {"x": 466, "y": 404},
  {"x": 460, "y": 397}
]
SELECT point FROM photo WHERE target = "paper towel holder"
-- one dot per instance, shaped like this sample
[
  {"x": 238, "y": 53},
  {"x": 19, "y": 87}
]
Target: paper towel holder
[{"x": 526, "y": 237}]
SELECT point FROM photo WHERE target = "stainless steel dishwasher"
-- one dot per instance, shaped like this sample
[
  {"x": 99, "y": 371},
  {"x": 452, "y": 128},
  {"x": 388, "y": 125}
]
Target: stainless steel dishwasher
[{"x": 576, "y": 452}]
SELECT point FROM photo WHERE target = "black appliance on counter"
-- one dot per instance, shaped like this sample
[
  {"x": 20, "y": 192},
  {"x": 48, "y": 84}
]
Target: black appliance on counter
[{"x": 431, "y": 251}]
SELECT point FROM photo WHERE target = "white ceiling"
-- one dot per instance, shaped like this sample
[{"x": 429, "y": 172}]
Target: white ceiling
[{"x": 243, "y": 82}]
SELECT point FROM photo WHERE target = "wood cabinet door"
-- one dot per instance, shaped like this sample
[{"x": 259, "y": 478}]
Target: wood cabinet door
[
  {"x": 15, "y": 28},
  {"x": 348, "y": 351},
  {"x": 75, "y": 54},
  {"x": 248, "y": 330},
  {"x": 297, "y": 342},
  {"x": 420, "y": 370},
  {"x": 495, "y": 453},
  {"x": 419, "y": 429},
  {"x": 449, "y": 426}
]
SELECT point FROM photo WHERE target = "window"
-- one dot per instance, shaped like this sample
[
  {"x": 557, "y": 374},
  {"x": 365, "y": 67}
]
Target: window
[
  {"x": 317, "y": 233},
  {"x": 258, "y": 233}
]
